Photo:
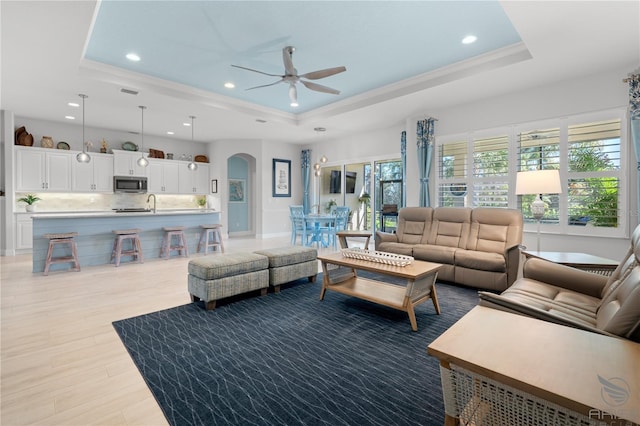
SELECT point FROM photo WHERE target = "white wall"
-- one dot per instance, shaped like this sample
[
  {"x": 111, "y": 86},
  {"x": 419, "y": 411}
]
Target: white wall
[
  {"x": 271, "y": 214},
  {"x": 594, "y": 93}
]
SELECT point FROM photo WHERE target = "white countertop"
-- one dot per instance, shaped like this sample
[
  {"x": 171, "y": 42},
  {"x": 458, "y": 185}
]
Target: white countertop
[{"x": 111, "y": 213}]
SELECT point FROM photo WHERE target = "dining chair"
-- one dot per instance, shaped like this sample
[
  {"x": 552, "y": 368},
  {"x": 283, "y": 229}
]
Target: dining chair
[
  {"x": 340, "y": 223},
  {"x": 298, "y": 224}
]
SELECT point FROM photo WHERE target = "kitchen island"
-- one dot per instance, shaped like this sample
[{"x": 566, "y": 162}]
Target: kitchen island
[{"x": 95, "y": 237}]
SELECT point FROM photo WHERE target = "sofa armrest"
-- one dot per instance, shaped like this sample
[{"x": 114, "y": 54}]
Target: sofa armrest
[
  {"x": 496, "y": 301},
  {"x": 385, "y": 237},
  {"x": 564, "y": 276},
  {"x": 512, "y": 259}
]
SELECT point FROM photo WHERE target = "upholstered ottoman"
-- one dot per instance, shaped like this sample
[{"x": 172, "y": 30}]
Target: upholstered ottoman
[
  {"x": 288, "y": 264},
  {"x": 215, "y": 277}
]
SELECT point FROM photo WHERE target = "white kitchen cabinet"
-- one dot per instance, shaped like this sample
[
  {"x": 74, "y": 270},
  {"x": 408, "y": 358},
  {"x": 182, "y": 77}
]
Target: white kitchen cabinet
[
  {"x": 194, "y": 181},
  {"x": 125, "y": 163},
  {"x": 24, "y": 231},
  {"x": 42, "y": 170},
  {"x": 163, "y": 176},
  {"x": 94, "y": 176}
]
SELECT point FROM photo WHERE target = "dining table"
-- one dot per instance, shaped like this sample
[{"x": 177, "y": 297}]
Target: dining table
[{"x": 318, "y": 224}]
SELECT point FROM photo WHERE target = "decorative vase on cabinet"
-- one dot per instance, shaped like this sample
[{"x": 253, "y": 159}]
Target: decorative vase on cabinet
[{"x": 46, "y": 142}]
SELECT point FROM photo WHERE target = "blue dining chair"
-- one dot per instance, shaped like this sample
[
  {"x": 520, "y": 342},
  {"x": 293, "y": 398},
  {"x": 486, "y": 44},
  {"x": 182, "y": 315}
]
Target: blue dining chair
[
  {"x": 340, "y": 223},
  {"x": 298, "y": 225}
]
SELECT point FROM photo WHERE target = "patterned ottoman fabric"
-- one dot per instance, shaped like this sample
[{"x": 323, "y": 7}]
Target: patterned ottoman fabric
[
  {"x": 215, "y": 277},
  {"x": 284, "y": 256},
  {"x": 288, "y": 264},
  {"x": 226, "y": 265}
]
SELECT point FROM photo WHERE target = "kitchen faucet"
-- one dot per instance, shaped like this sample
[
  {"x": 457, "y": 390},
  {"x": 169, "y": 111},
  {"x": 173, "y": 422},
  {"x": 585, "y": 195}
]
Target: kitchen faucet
[{"x": 154, "y": 201}]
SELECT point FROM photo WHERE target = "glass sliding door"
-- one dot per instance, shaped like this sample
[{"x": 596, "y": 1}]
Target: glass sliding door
[
  {"x": 388, "y": 193},
  {"x": 357, "y": 195}
]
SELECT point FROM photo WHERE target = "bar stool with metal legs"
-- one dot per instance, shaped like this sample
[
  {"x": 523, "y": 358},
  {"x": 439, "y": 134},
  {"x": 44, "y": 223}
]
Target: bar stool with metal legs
[
  {"x": 136, "y": 248},
  {"x": 62, "y": 239},
  {"x": 208, "y": 231},
  {"x": 167, "y": 241}
]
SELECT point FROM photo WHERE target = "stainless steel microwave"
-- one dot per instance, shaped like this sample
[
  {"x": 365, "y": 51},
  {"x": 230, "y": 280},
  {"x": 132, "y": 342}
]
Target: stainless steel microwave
[{"x": 130, "y": 184}]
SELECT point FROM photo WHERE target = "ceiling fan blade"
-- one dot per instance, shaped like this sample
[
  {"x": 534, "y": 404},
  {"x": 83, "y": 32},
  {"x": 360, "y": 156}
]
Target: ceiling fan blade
[
  {"x": 265, "y": 85},
  {"x": 287, "y": 58},
  {"x": 315, "y": 75},
  {"x": 261, "y": 72},
  {"x": 319, "y": 88}
]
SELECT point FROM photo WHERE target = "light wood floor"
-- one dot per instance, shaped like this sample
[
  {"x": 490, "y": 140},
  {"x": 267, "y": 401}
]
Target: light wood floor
[{"x": 62, "y": 362}]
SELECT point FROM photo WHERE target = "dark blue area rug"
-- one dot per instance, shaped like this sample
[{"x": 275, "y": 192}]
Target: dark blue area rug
[{"x": 291, "y": 359}]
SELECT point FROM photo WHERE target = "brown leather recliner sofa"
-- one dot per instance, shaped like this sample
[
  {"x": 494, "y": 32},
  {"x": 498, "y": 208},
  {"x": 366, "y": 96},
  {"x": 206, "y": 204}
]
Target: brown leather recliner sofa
[
  {"x": 577, "y": 298},
  {"x": 478, "y": 247}
]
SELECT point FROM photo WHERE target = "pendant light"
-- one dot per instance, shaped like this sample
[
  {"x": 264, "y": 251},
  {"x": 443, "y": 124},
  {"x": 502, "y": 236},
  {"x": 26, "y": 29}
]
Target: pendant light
[
  {"x": 142, "y": 162},
  {"x": 192, "y": 164},
  {"x": 83, "y": 157},
  {"x": 323, "y": 159}
]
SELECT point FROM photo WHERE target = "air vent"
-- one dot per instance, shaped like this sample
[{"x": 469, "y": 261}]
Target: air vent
[{"x": 129, "y": 91}]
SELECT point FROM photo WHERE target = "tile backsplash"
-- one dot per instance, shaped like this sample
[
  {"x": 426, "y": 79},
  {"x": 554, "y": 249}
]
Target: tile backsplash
[{"x": 64, "y": 202}]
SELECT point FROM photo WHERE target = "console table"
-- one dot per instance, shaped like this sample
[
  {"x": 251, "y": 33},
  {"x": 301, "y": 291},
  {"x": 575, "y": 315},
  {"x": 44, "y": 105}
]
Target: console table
[
  {"x": 497, "y": 367},
  {"x": 587, "y": 262}
]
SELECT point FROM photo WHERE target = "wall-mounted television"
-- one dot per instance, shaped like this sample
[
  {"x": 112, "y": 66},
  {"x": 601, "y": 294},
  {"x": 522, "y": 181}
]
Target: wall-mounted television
[
  {"x": 336, "y": 182},
  {"x": 350, "y": 182}
]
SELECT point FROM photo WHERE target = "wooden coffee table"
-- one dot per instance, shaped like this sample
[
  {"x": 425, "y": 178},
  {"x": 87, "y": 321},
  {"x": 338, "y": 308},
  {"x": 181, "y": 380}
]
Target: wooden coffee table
[{"x": 420, "y": 277}]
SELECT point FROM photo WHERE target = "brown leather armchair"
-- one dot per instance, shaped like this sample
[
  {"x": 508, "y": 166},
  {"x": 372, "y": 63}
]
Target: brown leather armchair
[{"x": 577, "y": 298}]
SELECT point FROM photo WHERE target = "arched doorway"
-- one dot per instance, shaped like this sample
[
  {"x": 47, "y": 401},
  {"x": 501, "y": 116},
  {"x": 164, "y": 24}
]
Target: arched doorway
[{"x": 241, "y": 197}]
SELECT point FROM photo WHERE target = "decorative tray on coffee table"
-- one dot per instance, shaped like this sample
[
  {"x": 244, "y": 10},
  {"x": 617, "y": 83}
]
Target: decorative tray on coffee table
[{"x": 377, "y": 256}]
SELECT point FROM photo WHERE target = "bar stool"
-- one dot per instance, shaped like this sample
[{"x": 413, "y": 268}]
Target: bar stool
[
  {"x": 212, "y": 230},
  {"x": 167, "y": 241},
  {"x": 136, "y": 248},
  {"x": 62, "y": 239}
]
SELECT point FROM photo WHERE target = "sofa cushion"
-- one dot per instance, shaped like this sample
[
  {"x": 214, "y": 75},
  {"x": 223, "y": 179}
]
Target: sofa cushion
[
  {"x": 480, "y": 260},
  {"x": 494, "y": 230},
  {"x": 450, "y": 227},
  {"x": 554, "y": 297},
  {"x": 398, "y": 248},
  {"x": 414, "y": 224},
  {"x": 435, "y": 253}
]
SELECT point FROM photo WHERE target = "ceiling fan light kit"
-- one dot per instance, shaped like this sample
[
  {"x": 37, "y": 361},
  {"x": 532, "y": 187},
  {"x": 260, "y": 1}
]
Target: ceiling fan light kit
[{"x": 292, "y": 77}]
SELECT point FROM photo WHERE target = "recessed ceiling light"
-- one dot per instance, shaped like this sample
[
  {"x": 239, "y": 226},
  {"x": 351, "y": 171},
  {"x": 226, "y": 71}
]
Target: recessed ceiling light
[
  {"x": 260, "y": 120},
  {"x": 170, "y": 133},
  {"x": 73, "y": 104},
  {"x": 229, "y": 85},
  {"x": 186, "y": 124},
  {"x": 469, "y": 39},
  {"x": 69, "y": 117},
  {"x": 133, "y": 57},
  {"x": 294, "y": 104}
]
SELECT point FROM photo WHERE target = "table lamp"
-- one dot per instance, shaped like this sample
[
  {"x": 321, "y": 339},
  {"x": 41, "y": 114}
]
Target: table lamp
[{"x": 538, "y": 182}]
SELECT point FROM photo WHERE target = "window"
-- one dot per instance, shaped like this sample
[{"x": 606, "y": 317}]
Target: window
[{"x": 479, "y": 170}]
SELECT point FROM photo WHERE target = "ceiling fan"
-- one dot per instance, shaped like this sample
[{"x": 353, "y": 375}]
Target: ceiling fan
[{"x": 291, "y": 76}]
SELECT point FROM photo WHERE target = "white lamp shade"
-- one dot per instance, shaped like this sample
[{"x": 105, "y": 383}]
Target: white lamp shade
[{"x": 538, "y": 182}]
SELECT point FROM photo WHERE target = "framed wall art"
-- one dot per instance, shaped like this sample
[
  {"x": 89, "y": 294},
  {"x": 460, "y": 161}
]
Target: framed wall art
[
  {"x": 281, "y": 179},
  {"x": 214, "y": 186},
  {"x": 237, "y": 191}
]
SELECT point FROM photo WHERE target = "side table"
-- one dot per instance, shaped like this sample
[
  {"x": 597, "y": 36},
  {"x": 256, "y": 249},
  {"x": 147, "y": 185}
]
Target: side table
[
  {"x": 596, "y": 264},
  {"x": 343, "y": 235},
  {"x": 502, "y": 368}
]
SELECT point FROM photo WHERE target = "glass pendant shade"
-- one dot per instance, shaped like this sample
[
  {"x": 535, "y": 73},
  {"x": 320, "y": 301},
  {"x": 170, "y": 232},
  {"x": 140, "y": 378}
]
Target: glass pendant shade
[
  {"x": 142, "y": 161},
  {"x": 83, "y": 157},
  {"x": 192, "y": 164}
]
